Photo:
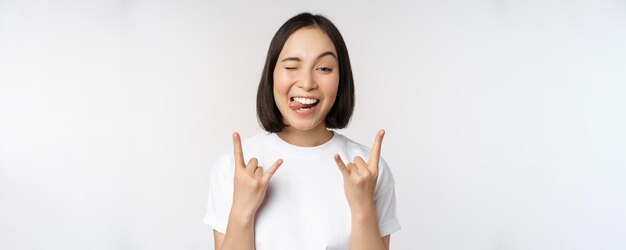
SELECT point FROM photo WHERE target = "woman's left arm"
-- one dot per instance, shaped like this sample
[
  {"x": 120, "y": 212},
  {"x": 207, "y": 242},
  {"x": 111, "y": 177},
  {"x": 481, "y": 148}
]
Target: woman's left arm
[
  {"x": 359, "y": 179},
  {"x": 365, "y": 233}
]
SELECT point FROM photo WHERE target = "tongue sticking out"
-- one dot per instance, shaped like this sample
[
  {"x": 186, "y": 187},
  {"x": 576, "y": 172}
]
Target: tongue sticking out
[{"x": 297, "y": 105}]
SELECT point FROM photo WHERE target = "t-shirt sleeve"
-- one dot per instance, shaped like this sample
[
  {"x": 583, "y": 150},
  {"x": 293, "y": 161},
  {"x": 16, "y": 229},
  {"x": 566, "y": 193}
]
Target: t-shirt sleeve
[
  {"x": 220, "y": 194},
  {"x": 385, "y": 201}
]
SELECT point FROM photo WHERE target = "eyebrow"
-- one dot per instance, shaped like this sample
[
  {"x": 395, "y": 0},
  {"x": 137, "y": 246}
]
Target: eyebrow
[{"x": 297, "y": 59}]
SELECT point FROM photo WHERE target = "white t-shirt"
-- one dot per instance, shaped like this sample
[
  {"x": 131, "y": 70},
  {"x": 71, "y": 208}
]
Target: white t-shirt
[{"x": 305, "y": 206}]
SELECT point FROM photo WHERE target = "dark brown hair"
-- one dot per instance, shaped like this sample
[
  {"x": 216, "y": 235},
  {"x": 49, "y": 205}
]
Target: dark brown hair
[{"x": 339, "y": 115}]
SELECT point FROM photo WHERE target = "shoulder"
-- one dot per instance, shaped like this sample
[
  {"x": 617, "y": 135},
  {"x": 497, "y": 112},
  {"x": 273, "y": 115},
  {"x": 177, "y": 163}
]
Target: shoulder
[
  {"x": 350, "y": 146},
  {"x": 256, "y": 142},
  {"x": 251, "y": 143},
  {"x": 224, "y": 161},
  {"x": 222, "y": 164}
]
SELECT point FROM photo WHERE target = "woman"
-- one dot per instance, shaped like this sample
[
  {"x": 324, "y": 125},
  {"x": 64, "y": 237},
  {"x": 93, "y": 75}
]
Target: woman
[{"x": 315, "y": 200}]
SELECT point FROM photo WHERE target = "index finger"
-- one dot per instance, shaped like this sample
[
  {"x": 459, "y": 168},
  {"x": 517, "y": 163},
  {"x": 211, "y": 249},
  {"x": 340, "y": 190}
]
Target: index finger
[
  {"x": 237, "y": 150},
  {"x": 378, "y": 143}
]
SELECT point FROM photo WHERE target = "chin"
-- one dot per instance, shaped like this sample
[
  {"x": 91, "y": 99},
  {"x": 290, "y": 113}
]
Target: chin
[{"x": 304, "y": 126}]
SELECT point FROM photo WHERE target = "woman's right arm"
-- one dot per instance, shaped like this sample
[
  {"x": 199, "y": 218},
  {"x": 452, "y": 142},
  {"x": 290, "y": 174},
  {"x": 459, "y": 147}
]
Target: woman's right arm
[
  {"x": 239, "y": 235},
  {"x": 218, "y": 239},
  {"x": 250, "y": 185}
]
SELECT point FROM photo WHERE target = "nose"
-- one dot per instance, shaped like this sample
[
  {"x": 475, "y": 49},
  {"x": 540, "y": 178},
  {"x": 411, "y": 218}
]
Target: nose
[{"x": 307, "y": 81}]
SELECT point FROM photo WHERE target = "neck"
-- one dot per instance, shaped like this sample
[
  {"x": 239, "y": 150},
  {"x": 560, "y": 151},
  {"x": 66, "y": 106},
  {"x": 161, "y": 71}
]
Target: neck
[{"x": 309, "y": 138}]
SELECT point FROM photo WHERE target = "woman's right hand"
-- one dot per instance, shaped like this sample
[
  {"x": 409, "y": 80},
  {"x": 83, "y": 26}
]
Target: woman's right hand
[{"x": 250, "y": 183}]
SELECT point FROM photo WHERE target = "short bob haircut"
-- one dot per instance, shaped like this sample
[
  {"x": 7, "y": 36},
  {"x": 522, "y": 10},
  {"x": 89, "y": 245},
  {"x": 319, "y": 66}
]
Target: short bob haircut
[{"x": 339, "y": 115}]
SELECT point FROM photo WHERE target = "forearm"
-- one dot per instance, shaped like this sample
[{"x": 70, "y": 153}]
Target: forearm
[
  {"x": 240, "y": 233},
  {"x": 365, "y": 234}
]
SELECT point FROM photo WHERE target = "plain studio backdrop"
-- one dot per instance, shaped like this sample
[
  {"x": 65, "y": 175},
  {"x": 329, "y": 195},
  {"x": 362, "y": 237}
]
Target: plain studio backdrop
[{"x": 506, "y": 121}]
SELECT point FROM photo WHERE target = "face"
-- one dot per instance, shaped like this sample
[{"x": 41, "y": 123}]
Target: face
[{"x": 306, "y": 78}]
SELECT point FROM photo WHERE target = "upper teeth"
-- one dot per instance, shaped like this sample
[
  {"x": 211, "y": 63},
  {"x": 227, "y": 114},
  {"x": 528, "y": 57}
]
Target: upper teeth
[{"x": 305, "y": 100}]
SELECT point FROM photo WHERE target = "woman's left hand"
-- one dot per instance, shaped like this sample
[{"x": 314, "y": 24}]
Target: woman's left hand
[{"x": 359, "y": 177}]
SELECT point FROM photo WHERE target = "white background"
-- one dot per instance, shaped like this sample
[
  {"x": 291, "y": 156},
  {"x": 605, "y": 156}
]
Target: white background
[{"x": 506, "y": 120}]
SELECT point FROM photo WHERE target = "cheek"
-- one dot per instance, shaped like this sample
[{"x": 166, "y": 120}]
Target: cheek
[
  {"x": 330, "y": 86},
  {"x": 281, "y": 86}
]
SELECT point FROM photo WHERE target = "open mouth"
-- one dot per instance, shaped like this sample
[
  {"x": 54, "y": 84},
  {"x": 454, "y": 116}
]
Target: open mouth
[{"x": 303, "y": 103}]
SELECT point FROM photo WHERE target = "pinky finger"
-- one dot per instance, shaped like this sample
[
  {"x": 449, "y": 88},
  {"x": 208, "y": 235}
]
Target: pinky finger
[
  {"x": 342, "y": 166},
  {"x": 272, "y": 170}
]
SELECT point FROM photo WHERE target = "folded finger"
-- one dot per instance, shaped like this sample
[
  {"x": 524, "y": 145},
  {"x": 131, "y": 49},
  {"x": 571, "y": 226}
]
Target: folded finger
[
  {"x": 359, "y": 161},
  {"x": 258, "y": 172},
  {"x": 352, "y": 168},
  {"x": 252, "y": 165}
]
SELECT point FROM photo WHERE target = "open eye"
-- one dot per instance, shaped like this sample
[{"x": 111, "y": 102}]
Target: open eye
[{"x": 325, "y": 69}]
